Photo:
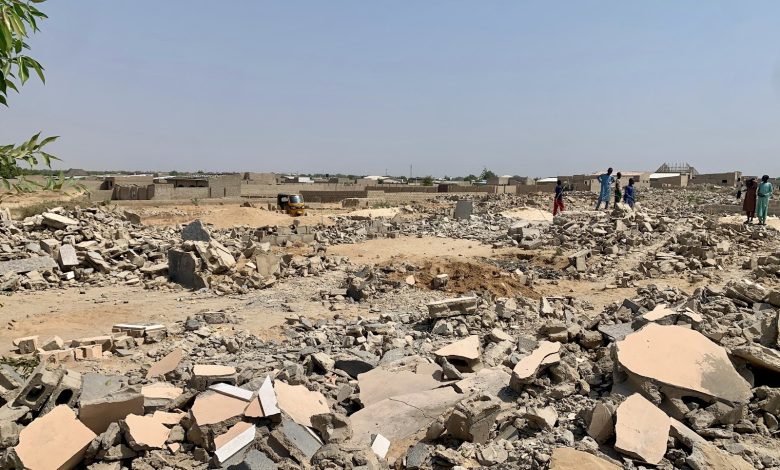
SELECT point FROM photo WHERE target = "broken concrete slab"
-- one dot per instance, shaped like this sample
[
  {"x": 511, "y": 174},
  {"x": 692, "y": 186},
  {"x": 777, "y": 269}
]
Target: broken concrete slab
[
  {"x": 299, "y": 402},
  {"x": 204, "y": 375},
  {"x": 759, "y": 356},
  {"x": 355, "y": 362},
  {"x": 463, "y": 209},
  {"x": 165, "y": 365},
  {"x": 463, "y": 354},
  {"x": 602, "y": 425},
  {"x": 98, "y": 413},
  {"x": 641, "y": 430},
  {"x": 66, "y": 256},
  {"x": 299, "y": 441},
  {"x": 232, "y": 391},
  {"x": 50, "y": 219},
  {"x": 144, "y": 432},
  {"x": 380, "y": 445},
  {"x": 617, "y": 332},
  {"x": 212, "y": 407},
  {"x": 56, "y": 440},
  {"x": 684, "y": 359},
  {"x": 95, "y": 386},
  {"x": 183, "y": 269},
  {"x": 333, "y": 427},
  {"x": 161, "y": 390},
  {"x": 399, "y": 417},
  {"x": 254, "y": 460},
  {"x": 566, "y": 458},
  {"x": 195, "y": 231},
  {"x": 267, "y": 397},
  {"x": 378, "y": 384},
  {"x": 706, "y": 456},
  {"x": 474, "y": 418},
  {"x": 492, "y": 381},
  {"x": 231, "y": 442},
  {"x": 26, "y": 265},
  {"x": 453, "y": 307},
  {"x": 527, "y": 368}
]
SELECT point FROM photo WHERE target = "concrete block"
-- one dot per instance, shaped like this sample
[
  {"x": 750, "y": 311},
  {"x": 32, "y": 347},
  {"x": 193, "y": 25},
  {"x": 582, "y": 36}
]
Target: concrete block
[
  {"x": 9, "y": 378},
  {"x": 98, "y": 413},
  {"x": 27, "y": 344},
  {"x": 183, "y": 269},
  {"x": 66, "y": 393},
  {"x": 66, "y": 256},
  {"x": 56, "y": 440},
  {"x": 463, "y": 209},
  {"x": 195, "y": 231},
  {"x": 38, "y": 388}
]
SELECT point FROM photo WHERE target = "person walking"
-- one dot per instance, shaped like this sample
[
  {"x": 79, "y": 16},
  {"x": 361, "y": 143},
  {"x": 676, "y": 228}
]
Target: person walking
[
  {"x": 618, "y": 193},
  {"x": 630, "y": 194},
  {"x": 763, "y": 194},
  {"x": 606, "y": 180},
  {"x": 749, "y": 204},
  {"x": 558, "y": 202}
]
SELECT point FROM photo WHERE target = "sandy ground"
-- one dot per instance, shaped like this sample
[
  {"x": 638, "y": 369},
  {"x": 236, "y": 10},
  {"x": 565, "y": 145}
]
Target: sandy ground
[
  {"x": 738, "y": 219},
  {"x": 75, "y": 313},
  {"x": 227, "y": 216},
  {"x": 382, "y": 250},
  {"x": 529, "y": 213},
  {"x": 385, "y": 212}
]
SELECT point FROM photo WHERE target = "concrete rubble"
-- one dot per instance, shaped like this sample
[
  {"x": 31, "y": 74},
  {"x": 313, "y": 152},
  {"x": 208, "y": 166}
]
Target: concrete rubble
[{"x": 429, "y": 374}]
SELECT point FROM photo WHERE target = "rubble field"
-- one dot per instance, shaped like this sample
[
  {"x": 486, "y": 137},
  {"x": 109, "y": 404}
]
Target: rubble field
[{"x": 443, "y": 334}]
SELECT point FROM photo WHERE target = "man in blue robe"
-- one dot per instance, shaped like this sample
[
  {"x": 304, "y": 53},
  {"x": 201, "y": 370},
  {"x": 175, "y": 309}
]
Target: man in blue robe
[{"x": 606, "y": 180}]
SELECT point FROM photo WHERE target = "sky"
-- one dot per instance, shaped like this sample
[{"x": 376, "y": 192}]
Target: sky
[{"x": 434, "y": 87}]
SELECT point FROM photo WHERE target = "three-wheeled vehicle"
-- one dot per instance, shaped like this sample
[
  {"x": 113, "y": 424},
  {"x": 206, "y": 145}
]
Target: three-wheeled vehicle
[{"x": 291, "y": 204}]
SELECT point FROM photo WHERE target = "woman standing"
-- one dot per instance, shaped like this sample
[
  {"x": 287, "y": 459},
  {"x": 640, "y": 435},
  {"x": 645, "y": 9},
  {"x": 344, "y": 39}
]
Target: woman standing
[{"x": 749, "y": 204}]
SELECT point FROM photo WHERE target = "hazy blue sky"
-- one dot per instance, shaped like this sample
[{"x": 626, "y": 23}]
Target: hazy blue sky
[{"x": 522, "y": 87}]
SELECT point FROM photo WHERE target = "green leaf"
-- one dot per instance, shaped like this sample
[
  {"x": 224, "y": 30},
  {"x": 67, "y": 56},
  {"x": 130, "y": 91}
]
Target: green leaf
[{"x": 48, "y": 140}]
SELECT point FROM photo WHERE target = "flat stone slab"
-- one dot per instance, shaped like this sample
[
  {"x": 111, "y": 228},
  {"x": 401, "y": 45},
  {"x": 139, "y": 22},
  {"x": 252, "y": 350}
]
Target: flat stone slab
[
  {"x": 21, "y": 266},
  {"x": 467, "y": 348},
  {"x": 299, "y": 402},
  {"x": 400, "y": 417},
  {"x": 566, "y": 458},
  {"x": 378, "y": 384},
  {"x": 683, "y": 359},
  {"x": 759, "y": 356},
  {"x": 706, "y": 456},
  {"x": 617, "y": 332},
  {"x": 641, "y": 430},
  {"x": 529, "y": 365},
  {"x": 54, "y": 440}
]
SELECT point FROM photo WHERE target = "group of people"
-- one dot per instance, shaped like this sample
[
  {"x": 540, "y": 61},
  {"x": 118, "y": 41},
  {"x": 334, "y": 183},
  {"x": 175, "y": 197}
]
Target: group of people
[
  {"x": 610, "y": 185},
  {"x": 757, "y": 195}
]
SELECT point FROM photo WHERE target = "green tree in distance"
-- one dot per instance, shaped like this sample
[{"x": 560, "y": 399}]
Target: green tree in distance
[
  {"x": 427, "y": 181},
  {"x": 487, "y": 174},
  {"x": 18, "y": 20}
]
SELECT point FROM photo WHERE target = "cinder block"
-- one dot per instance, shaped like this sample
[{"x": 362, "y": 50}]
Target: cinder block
[
  {"x": 38, "y": 388},
  {"x": 27, "y": 345},
  {"x": 66, "y": 393},
  {"x": 94, "y": 351}
]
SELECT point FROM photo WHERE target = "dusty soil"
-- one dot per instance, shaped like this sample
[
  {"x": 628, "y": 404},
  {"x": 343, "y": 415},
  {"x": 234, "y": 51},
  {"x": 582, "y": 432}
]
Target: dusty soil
[
  {"x": 74, "y": 313},
  {"x": 227, "y": 216}
]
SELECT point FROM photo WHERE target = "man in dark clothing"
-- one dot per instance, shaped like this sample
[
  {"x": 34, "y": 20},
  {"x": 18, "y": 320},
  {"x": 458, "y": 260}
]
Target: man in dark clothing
[{"x": 558, "y": 203}]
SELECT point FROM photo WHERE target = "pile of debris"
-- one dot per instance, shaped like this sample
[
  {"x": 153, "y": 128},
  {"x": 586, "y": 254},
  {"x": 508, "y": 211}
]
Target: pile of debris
[{"x": 98, "y": 246}]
